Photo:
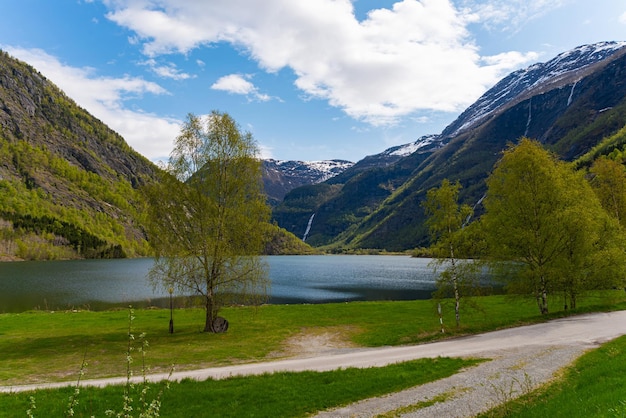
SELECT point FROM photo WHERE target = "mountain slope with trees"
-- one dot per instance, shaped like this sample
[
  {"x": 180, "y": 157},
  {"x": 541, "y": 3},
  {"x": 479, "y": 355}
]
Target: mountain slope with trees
[
  {"x": 570, "y": 104},
  {"x": 68, "y": 183}
]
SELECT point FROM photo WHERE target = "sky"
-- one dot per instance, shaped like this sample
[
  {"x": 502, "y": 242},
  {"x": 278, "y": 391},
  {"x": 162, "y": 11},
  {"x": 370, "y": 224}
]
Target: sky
[{"x": 310, "y": 79}]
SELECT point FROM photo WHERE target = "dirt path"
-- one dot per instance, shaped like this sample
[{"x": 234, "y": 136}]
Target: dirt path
[{"x": 521, "y": 358}]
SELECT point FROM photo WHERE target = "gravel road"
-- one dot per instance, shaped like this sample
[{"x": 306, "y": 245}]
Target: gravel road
[{"x": 520, "y": 359}]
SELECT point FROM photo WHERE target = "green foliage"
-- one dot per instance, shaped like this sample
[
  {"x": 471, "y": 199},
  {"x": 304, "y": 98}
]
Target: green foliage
[
  {"x": 608, "y": 179},
  {"x": 283, "y": 242},
  {"x": 544, "y": 217},
  {"x": 84, "y": 243},
  {"x": 57, "y": 161},
  {"x": 446, "y": 221},
  {"x": 613, "y": 146},
  {"x": 207, "y": 216},
  {"x": 31, "y": 208}
]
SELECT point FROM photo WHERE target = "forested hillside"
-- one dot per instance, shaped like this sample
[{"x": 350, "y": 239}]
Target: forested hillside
[{"x": 68, "y": 183}]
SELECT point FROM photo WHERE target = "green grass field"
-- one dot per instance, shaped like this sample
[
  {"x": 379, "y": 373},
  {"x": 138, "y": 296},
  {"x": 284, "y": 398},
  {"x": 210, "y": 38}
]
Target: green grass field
[{"x": 46, "y": 346}]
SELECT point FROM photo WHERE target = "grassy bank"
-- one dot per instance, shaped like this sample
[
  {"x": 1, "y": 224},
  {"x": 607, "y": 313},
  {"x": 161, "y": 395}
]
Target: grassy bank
[
  {"x": 595, "y": 386},
  {"x": 46, "y": 346}
]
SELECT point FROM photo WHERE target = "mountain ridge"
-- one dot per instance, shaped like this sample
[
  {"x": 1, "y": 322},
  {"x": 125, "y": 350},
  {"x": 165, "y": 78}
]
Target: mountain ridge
[
  {"x": 69, "y": 185},
  {"x": 67, "y": 182},
  {"x": 569, "y": 103},
  {"x": 282, "y": 176}
]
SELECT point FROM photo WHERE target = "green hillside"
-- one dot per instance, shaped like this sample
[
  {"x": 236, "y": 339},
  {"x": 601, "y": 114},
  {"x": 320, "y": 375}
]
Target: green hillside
[{"x": 68, "y": 183}]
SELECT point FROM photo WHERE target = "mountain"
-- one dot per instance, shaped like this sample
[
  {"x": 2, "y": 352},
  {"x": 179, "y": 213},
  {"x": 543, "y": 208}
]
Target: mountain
[
  {"x": 571, "y": 104},
  {"x": 343, "y": 199},
  {"x": 68, "y": 183},
  {"x": 279, "y": 177}
]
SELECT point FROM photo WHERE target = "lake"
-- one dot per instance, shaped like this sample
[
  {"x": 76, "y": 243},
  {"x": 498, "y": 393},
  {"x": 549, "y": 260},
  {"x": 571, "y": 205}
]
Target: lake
[{"x": 102, "y": 284}]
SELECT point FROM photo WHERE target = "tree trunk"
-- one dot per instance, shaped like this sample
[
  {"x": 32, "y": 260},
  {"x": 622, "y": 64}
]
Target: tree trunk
[
  {"x": 456, "y": 304},
  {"x": 538, "y": 299},
  {"x": 543, "y": 296},
  {"x": 455, "y": 284},
  {"x": 208, "y": 306}
]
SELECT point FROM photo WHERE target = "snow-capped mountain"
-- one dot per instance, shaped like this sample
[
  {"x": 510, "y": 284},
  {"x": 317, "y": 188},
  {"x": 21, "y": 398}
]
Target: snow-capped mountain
[
  {"x": 571, "y": 104},
  {"x": 315, "y": 171},
  {"x": 279, "y": 177},
  {"x": 565, "y": 69}
]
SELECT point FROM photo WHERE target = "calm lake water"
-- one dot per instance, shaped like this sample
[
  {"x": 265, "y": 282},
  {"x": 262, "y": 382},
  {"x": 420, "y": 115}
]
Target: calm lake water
[{"x": 100, "y": 284}]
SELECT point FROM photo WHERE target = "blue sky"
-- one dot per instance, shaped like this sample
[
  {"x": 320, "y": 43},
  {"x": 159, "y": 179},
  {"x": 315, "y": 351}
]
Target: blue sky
[{"x": 310, "y": 79}]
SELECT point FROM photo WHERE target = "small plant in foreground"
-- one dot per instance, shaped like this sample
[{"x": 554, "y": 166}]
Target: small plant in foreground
[
  {"x": 503, "y": 395},
  {"x": 33, "y": 406},
  {"x": 145, "y": 408},
  {"x": 74, "y": 397}
]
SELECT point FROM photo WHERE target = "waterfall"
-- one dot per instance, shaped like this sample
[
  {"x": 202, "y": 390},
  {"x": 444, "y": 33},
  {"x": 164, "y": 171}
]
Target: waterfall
[
  {"x": 469, "y": 217},
  {"x": 308, "y": 228},
  {"x": 530, "y": 114},
  {"x": 571, "y": 93}
]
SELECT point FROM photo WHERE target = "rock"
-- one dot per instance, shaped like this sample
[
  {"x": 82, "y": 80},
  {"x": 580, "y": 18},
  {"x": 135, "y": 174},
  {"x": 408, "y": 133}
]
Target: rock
[{"x": 220, "y": 325}]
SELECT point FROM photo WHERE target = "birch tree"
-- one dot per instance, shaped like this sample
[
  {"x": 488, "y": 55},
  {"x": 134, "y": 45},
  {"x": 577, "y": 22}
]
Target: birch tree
[
  {"x": 207, "y": 217},
  {"x": 608, "y": 179},
  {"x": 445, "y": 222},
  {"x": 543, "y": 218}
]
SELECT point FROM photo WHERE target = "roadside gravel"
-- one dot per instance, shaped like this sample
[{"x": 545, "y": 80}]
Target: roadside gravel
[
  {"x": 510, "y": 373},
  {"x": 519, "y": 360}
]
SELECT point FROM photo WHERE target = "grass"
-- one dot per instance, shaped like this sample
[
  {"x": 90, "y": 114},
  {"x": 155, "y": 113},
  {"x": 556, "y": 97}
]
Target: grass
[
  {"x": 50, "y": 346},
  {"x": 269, "y": 395},
  {"x": 44, "y": 346},
  {"x": 595, "y": 386}
]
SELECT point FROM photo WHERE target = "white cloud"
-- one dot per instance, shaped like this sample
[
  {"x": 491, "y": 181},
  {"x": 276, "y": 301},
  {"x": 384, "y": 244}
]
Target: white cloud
[
  {"x": 168, "y": 70},
  {"x": 234, "y": 83},
  {"x": 104, "y": 98},
  {"x": 416, "y": 56},
  {"x": 238, "y": 84},
  {"x": 622, "y": 18},
  {"x": 508, "y": 15}
]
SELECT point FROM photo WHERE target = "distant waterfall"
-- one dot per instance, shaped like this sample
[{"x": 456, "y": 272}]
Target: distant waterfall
[
  {"x": 469, "y": 217},
  {"x": 308, "y": 228},
  {"x": 530, "y": 116},
  {"x": 571, "y": 93}
]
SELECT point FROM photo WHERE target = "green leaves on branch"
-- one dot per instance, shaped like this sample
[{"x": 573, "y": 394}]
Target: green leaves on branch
[
  {"x": 207, "y": 218},
  {"x": 446, "y": 221},
  {"x": 544, "y": 216}
]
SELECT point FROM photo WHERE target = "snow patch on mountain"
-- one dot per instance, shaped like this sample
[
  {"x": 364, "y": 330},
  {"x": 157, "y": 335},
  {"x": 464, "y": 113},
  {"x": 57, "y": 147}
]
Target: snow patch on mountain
[
  {"x": 566, "y": 68},
  {"x": 407, "y": 149}
]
